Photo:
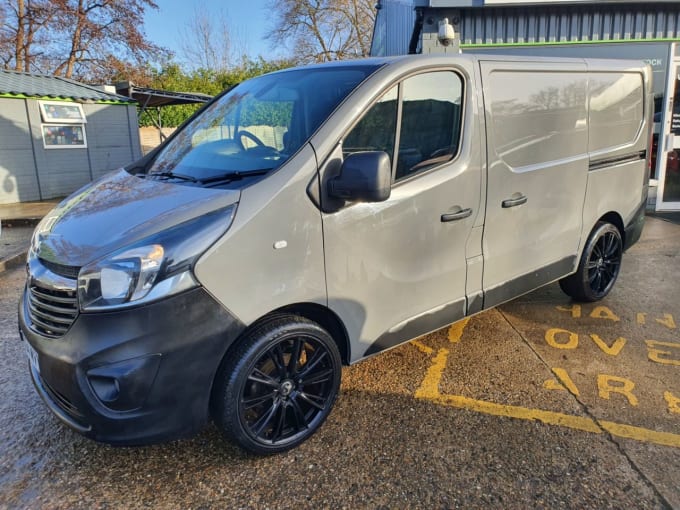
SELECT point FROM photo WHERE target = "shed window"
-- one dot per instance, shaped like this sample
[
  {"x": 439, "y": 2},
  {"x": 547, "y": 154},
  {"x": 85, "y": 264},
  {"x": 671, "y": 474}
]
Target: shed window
[
  {"x": 63, "y": 136},
  {"x": 63, "y": 125},
  {"x": 62, "y": 112}
]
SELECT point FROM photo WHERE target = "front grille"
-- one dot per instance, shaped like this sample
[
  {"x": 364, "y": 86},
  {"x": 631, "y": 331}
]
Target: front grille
[
  {"x": 51, "y": 311},
  {"x": 60, "y": 269}
]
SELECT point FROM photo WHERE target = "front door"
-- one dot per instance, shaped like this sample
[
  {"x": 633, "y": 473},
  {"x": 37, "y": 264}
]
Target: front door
[
  {"x": 397, "y": 269},
  {"x": 537, "y": 149},
  {"x": 668, "y": 192}
]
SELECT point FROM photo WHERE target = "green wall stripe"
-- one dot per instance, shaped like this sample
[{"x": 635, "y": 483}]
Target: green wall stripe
[
  {"x": 68, "y": 99},
  {"x": 565, "y": 43}
]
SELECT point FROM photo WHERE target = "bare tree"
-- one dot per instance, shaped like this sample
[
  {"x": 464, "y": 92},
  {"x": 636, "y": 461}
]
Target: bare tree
[
  {"x": 6, "y": 40},
  {"x": 99, "y": 31},
  {"x": 206, "y": 41},
  {"x": 86, "y": 39},
  {"x": 322, "y": 30},
  {"x": 23, "y": 26}
]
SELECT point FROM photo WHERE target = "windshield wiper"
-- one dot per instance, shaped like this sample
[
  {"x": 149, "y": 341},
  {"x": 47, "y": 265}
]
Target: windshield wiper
[
  {"x": 172, "y": 175},
  {"x": 225, "y": 177},
  {"x": 233, "y": 175}
]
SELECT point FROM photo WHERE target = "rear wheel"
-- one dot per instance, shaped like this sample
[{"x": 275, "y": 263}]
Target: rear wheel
[
  {"x": 278, "y": 386},
  {"x": 599, "y": 265}
]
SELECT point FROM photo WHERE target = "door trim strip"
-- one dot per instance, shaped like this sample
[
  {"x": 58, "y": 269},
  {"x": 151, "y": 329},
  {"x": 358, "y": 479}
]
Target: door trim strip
[{"x": 598, "y": 164}]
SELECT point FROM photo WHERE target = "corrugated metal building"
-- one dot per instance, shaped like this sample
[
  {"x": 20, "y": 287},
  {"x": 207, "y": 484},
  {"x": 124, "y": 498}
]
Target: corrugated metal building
[
  {"x": 57, "y": 135},
  {"x": 648, "y": 31}
]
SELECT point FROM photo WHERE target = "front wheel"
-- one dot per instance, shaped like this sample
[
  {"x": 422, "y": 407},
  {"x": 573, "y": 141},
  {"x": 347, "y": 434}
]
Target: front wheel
[
  {"x": 276, "y": 388},
  {"x": 599, "y": 265}
]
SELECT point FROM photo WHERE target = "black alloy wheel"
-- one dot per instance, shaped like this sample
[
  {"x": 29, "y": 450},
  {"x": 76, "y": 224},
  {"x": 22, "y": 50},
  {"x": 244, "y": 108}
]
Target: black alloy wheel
[
  {"x": 599, "y": 266},
  {"x": 278, "y": 386},
  {"x": 604, "y": 262}
]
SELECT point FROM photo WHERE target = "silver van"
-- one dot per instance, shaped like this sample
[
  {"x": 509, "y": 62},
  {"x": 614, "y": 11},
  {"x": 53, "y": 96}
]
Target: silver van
[{"x": 317, "y": 216}]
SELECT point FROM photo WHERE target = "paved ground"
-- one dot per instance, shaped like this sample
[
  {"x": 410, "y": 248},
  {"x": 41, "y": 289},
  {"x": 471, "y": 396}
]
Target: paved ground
[
  {"x": 17, "y": 222},
  {"x": 540, "y": 403},
  {"x": 26, "y": 210},
  {"x": 14, "y": 240}
]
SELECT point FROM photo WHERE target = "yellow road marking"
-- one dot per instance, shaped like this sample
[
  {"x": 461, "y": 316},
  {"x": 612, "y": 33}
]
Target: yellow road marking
[
  {"x": 570, "y": 343},
  {"x": 574, "y": 310},
  {"x": 429, "y": 390},
  {"x": 552, "y": 384},
  {"x": 602, "y": 312},
  {"x": 608, "y": 384},
  {"x": 640, "y": 434},
  {"x": 612, "y": 350},
  {"x": 456, "y": 330},
  {"x": 667, "y": 321},
  {"x": 564, "y": 382},
  {"x": 673, "y": 402},
  {"x": 422, "y": 347},
  {"x": 658, "y": 355}
]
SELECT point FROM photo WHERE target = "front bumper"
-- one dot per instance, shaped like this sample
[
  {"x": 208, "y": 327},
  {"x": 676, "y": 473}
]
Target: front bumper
[{"x": 134, "y": 376}]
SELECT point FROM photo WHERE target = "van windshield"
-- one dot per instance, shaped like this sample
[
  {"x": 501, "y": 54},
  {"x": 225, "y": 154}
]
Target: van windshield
[{"x": 256, "y": 126}]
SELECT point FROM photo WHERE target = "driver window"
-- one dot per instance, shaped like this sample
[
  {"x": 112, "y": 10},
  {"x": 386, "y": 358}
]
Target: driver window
[
  {"x": 376, "y": 130},
  {"x": 430, "y": 121}
]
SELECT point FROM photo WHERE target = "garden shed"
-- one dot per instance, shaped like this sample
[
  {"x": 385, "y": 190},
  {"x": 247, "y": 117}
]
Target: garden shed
[{"x": 57, "y": 134}]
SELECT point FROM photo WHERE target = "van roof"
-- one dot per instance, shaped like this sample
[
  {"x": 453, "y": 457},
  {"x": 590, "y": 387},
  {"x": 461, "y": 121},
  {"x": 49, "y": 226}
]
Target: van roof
[{"x": 446, "y": 58}]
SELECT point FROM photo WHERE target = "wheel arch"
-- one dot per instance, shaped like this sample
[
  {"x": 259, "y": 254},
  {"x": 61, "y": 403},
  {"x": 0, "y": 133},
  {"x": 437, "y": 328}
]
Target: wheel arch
[
  {"x": 327, "y": 319},
  {"x": 615, "y": 219},
  {"x": 319, "y": 314}
]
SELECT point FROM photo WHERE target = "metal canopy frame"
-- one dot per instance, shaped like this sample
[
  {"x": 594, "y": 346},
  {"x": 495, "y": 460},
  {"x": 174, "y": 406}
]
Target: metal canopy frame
[{"x": 156, "y": 99}]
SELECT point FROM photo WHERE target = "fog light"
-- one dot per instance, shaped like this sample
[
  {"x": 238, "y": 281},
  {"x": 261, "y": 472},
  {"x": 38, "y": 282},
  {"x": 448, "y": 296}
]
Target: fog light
[
  {"x": 124, "y": 385},
  {"x": 107, "y": 389}
]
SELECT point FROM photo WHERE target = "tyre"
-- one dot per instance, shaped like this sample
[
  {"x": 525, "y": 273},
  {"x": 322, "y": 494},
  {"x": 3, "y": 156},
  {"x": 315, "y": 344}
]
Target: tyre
[
  {"x": 599, "y": 265},
  {"x": 277, "y": 386}
]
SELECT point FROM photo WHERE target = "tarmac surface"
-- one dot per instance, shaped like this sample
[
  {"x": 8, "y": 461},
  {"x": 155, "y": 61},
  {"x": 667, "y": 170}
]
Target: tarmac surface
[
  {"x": 541, "y": 402},
  {"x": 17, "y": 222},
  {"x": 14, "y": 240}
]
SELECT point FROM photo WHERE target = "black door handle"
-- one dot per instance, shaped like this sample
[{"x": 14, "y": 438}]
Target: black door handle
[
  {"x": 459, "y": 215},
  {"x": 512, "y": 202}
]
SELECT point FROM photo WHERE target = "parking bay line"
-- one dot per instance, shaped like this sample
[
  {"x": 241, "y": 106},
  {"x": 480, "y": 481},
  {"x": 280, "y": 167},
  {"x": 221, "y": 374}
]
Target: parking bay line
[{"x": 429, "y": 391}]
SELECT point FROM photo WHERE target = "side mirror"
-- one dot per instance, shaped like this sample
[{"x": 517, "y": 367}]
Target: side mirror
[{"x": 364, "y": 177}]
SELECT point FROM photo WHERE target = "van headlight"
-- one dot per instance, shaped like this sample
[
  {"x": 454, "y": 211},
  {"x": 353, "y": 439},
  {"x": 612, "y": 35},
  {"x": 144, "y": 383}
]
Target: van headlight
[{"x": 153, "y": 268}]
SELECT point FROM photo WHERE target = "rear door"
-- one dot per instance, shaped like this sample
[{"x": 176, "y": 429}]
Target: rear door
[
  {"x": 397, "y": 269},
  {"x": 537, "y": 143}
]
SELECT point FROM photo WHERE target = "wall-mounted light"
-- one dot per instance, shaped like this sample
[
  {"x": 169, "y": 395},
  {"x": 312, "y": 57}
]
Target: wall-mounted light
[{"x": 446, "y": 33}]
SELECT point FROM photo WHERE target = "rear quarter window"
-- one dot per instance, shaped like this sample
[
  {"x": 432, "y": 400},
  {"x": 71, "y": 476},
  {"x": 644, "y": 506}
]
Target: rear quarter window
[
  {"x": 538, "y": 116},
  {"x": 615, "y": 108}
]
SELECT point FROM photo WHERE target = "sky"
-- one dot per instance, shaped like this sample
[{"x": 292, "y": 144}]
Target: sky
[{"x": 249, "y": 20}]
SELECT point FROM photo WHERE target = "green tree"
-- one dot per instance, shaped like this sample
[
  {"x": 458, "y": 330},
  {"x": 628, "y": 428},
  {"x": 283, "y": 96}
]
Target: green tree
[{"x": 206, "y": 81}]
